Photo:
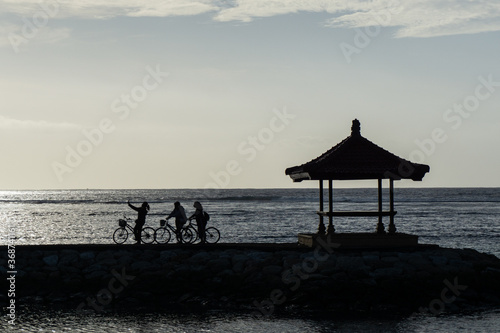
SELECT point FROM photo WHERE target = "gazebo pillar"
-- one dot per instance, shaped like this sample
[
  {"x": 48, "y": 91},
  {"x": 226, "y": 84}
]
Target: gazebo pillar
[
  {"x": 380, "y": 225},
  {"x": 331, "y": 229},
  {"x": 392, "y": 226},
  {"x": 321, "y": 226}
]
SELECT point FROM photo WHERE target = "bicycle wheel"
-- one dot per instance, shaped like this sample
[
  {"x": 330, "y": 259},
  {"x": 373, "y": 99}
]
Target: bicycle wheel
[
  {"x": 187, "y": 236},
  {"x": 120, "y": 235},
  {"x": 148, "y": 235},
  {"x": 162, "y": 235},
  {"x": 194, "y": 232},
  {"x": 212, "y": 235}
]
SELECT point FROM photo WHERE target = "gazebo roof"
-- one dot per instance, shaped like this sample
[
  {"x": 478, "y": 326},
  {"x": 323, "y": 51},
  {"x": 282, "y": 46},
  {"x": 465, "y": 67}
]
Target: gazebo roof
[{"x": 357, "y": 158}]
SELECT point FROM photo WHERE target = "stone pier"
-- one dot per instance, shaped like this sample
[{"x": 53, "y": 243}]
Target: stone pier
[{"x": 261, "y": 278}]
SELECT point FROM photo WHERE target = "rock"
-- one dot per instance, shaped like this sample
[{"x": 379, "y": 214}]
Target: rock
[
  {"x": 239, "y": 262},
  {"x": 66, "y": 252},
  {"x": 38, "y": 276},
  {"x": 421, "y": 263},
  {"x": 272, "y": 270},
  {"x": 167, "y": 255},
  {"x": 20, "y": 273},
  {"x": 217, "y": 265},
  {"x": 369, "y": 282},
  {"x": 239, "y": 258},
  {"x": 51, "y": 260},
  {"x": 316, "y": 277},
  {"x": 35, "y": 264},
  {"x": 150, "y": 255},
  {"x": 371, "y": 259},
  {"x": 74, "y": 281},
  {"x": 226, "y": 274},
  {"x": 68, "y": 258},
  {"x": 386, "y": 272},
  {"x": 93, "y": 268},
  {"x": 438, "y": 260},
  {"x": 142, "y": 266},
  {"x": 327, "y": 263},
  {"x": 258, "y": 256},
  {"x": 462, "y": 266},
  {"x": 88, "y": 255},
  {"x": 407, "y": 256},
  {"x": 408, "y": 269},
  {"x": 291, "y": 260},
  {"x": 125, "y": 261},
  {"x": 448, "y": 253},
  {"x": 106, "y": 255},
  {"x": 340, "y": 277},
  {"x": 67, "y": 269},
  {"x": 96, "y": 275},
  {"x": 108, "y": 262},
  {"x": 390, "y": 260},
  {"x": 492, "y": 270},
  {"x": 37, "y": 254},
  {"x": 328, "y": 271},
  {"x": 423, "y": 275},
  {"x": 50, "y": 269},
  {"x": 200, "y": 257},
  {"x": 351, "y": 264}
]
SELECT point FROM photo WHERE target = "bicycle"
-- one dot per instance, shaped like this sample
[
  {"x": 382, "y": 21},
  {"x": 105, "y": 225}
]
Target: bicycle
[
  {"x": 212, "y": 234},
  {"x": 120, "y": 235},
  {"x": 164, "y": 233}
]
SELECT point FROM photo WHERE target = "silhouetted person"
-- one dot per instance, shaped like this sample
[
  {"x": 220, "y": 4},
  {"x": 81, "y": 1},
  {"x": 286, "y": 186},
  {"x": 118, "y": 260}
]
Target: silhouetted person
[
  {"x": 180, "y": 219},
  {"x": 200, "y": 220},
  {"x": 141, "y": 219}
]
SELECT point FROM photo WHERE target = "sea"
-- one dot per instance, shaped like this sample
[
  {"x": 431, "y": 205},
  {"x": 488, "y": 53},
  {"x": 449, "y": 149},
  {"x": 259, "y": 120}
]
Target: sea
[{"x": 448, "y": 217}]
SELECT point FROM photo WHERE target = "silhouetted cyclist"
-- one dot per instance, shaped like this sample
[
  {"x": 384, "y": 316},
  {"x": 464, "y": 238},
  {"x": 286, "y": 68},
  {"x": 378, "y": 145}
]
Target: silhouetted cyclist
[
  {"x": 180, "y": 219},
  {"x": 141, "y": 219}
]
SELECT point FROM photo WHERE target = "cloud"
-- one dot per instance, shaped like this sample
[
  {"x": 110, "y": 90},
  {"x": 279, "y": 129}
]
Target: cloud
[
  {"x": 92, "y": 9},
  {"x": 424, "y": 18},
  {"x": 11, "y": 123},
  {"x": 247, "y": 10},
  {"x": 410, "y": 18},
  {"x": 428, "y": 18}
]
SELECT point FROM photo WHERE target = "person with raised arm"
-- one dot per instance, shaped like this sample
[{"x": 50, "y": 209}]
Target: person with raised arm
[{"x": 141, "y": 219}]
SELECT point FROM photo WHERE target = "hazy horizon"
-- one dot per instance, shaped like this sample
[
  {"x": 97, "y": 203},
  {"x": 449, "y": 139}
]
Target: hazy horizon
[{"x": 228, "y": 94}]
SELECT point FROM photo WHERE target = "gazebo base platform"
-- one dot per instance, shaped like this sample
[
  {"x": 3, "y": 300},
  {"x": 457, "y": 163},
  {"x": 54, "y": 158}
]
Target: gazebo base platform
[{"x": 360, "y": 240}]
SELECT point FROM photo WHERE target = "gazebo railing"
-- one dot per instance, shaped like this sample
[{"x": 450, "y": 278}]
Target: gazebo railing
[{"x": 379, "y": 214}]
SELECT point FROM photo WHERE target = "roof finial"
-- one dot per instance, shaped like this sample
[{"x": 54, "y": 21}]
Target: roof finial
[{"x": 356, "y": 128}]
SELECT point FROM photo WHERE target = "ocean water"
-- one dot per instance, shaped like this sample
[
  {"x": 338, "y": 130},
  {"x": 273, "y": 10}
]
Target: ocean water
[{"x": 449, "y": 217}]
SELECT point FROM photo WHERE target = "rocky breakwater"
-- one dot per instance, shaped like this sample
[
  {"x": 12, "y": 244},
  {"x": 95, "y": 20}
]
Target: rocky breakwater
[{"x": 264, "y": 280}]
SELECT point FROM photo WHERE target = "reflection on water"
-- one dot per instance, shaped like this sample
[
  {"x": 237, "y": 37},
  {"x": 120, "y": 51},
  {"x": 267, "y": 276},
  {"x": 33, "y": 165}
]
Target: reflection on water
[{"x": 62, "y": 321}]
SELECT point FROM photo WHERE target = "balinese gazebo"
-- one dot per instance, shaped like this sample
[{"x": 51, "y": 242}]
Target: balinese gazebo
[{"x": 357, "y": 158}]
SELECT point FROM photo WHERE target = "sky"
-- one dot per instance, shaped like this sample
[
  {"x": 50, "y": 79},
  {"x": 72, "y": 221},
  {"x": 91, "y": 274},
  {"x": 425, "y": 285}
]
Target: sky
[{"x": 228, "y": 94}]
